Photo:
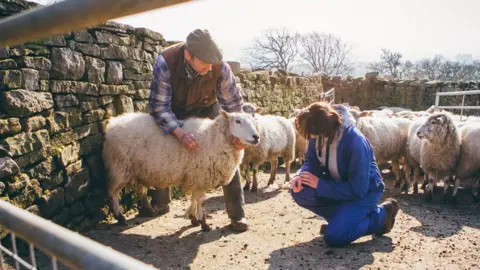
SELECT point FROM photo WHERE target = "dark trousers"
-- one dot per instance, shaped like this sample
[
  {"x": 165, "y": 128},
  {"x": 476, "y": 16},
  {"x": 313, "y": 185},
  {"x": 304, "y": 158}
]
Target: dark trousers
[
  {"x": 347, "y": 220},
  {"x": 233, "y": 192}
]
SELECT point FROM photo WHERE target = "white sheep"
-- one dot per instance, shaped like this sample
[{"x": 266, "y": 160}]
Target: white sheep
[
  {"x": 412, "y": 155},
  {"x": 136, "y": 151},
  {"x": 388, "y": 137},
  {"x": 440, "y": 150},
  {"x": 278, "y": 140},
  {"x": 469, "y": 162}
]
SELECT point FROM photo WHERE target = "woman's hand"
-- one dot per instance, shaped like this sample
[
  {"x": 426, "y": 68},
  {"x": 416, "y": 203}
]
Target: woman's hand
[
  {"x": 308, "y": 179},
  {"x": 296, "y": 184}
]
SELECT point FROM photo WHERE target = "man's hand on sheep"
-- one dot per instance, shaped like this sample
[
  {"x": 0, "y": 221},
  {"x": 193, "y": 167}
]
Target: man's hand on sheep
[
  {"x": 238, "y": 144},
  {"x": 186, "y": 138}
]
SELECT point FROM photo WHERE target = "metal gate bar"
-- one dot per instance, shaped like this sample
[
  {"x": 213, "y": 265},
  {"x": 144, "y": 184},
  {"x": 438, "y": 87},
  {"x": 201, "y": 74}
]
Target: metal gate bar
[
  {"x": 70, "y": 248},
  {"x": 70, "y": 15}
]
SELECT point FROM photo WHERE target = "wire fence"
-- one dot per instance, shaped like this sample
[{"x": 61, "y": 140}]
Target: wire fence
[{"x": 62, "y": 246}]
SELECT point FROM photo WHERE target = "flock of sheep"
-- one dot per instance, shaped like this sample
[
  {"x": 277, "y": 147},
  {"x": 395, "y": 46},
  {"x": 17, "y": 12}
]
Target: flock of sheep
[
  {"x": 430, "y": 140},
  {"x": 136, "y": 151}
]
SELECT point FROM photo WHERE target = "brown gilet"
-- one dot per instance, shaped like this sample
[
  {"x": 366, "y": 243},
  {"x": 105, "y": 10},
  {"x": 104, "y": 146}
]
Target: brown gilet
[{"x": 190, "y": 97}]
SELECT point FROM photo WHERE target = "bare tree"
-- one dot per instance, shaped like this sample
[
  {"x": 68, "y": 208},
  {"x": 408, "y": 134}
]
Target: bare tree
[
  {"x": 277, "y": 48},
  {"x": 325, "y": 53},
  {"x": 430, "y": 69},
  {"x": 390, "y": 64}
]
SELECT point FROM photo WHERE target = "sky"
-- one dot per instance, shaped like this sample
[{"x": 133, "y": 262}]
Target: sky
[{"x": 416, "y": 28}]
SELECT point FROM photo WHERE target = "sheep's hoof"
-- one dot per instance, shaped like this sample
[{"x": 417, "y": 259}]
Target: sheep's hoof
[
  {"x": 415, "y": 189},
  {"x": 270, "y": 182},
  {"x": 246, "y": 187},
  {"x": 254, "y": 189},
  {"x": 194, "y": 221},
  {"x": 146, "y": 212},
  {"x": 122, "y": 221},
  {"x": 206, "y": 227}
]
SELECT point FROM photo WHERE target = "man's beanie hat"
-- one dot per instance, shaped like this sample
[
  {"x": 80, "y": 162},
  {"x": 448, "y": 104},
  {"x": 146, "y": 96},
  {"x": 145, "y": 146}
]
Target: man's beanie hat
[{"x": 201, "y": 45}]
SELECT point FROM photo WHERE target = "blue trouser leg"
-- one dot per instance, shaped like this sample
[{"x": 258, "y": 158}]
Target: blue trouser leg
[
  {"x": 347, "y": 220},
  {"x": 307, "y": 198}
]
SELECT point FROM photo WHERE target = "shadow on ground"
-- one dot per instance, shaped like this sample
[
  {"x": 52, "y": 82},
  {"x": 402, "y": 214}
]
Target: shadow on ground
[
  {"x": 316, "y": 254},
  {"x": 438, "y": 219}
]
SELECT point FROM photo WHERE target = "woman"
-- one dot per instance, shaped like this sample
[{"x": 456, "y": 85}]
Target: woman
[{"x": 339, "y": 179}]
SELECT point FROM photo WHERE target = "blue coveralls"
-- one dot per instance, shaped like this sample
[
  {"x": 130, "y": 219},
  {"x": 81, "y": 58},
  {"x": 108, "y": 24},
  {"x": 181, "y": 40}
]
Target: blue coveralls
[{"x": 350, "y": 205}]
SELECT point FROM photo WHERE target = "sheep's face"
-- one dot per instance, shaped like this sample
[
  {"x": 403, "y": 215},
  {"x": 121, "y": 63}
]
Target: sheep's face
[
  {"x": 242, "y": 126},
  {"x": 432, "y": 126}
]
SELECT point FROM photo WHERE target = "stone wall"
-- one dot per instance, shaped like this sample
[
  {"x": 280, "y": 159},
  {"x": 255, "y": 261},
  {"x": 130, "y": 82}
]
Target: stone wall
[
  {"x": 372, "y": 92},
  {"x": 279, "y": 93},
  {"x": 56, "y": 96}
]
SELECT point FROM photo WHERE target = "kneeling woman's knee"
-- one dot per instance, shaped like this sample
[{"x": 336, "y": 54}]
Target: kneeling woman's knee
[
  {"x": 336, "y": 236},
  {"x": 304, "y": 197}
]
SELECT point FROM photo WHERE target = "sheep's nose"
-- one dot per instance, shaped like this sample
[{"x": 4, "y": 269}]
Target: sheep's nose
[
  {"x": 419, "y": 134},
  {"x": 255, "y": 138}
]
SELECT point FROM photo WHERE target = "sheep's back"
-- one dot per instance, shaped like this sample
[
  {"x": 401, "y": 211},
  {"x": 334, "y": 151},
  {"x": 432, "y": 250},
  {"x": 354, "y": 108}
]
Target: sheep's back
[
  {"x": 160, "y": 160},
  {"x": 385, "y": 135},
  {"x": 276, "y": 135}
]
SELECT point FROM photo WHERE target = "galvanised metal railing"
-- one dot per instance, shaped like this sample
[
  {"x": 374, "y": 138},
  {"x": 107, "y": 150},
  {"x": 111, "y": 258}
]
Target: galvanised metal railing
[
  {"x": 457, "y": 93},
  {"x": 62, "y": 245}
]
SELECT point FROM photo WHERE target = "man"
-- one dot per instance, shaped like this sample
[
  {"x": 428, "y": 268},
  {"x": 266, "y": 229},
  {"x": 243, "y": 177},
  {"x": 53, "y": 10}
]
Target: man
[{"x": 191, "y": 79}]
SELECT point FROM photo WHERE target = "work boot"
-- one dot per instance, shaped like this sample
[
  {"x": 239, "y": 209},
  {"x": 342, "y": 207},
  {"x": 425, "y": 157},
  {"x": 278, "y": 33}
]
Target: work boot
[
  {"x": 391, "y": 208},
  {"x": 239, "y": 225}
]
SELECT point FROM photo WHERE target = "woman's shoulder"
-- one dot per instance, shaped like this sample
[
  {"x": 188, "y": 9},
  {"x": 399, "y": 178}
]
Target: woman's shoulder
[{"x": 353, "y": 135}]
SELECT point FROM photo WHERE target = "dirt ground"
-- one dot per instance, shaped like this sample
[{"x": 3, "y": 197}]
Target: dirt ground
[{"x": 285, "y": 236}]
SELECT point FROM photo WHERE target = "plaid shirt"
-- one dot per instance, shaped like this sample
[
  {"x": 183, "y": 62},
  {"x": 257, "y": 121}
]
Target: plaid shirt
[{"x": 228, "y": 94}]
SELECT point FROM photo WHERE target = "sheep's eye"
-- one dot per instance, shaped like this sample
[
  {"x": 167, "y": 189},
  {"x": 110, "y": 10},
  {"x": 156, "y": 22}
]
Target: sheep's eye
[{"x": 237, "y": 121}]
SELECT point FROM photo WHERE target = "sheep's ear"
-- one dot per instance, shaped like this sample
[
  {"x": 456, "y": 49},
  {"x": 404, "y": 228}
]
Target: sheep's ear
[
  {"x": 259, "y": 110},
  {"x": 370, "y": 113},
  {"x": 363, "y": 114},
  {"x": 224, "y": 113},
  {"x": 441, "y": 119}
]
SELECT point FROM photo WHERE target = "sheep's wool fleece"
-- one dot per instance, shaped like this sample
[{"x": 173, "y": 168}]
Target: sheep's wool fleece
[
  {"x": 277, "y": 138},
  {"x": 135, "y": 149}
]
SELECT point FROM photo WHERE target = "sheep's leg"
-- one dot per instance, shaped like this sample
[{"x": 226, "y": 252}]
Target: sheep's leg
[
  {"x": 247, "y": 178},
  {"x": 116, "y": 210},
  {"x": 453, "y": 199},
  {"x": 114, "y": 186},
  {"x": 288, "y": 163},
  {"x": 273, "y": 172},
  {"x": 255, "y": 183},
  {"x": 416, "y": 173},
  {"x": 430, "y": 187},
  {"x": 425, "y": 181},
  {"x": 475, "y": 181},
  {"x": 446, "y": 186},
  {"x": 145, "y": 209},
  {"x": 396, "y": 171},
  {"x": 202, "y": 212},
  {"x": 192, "y": 210}
]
